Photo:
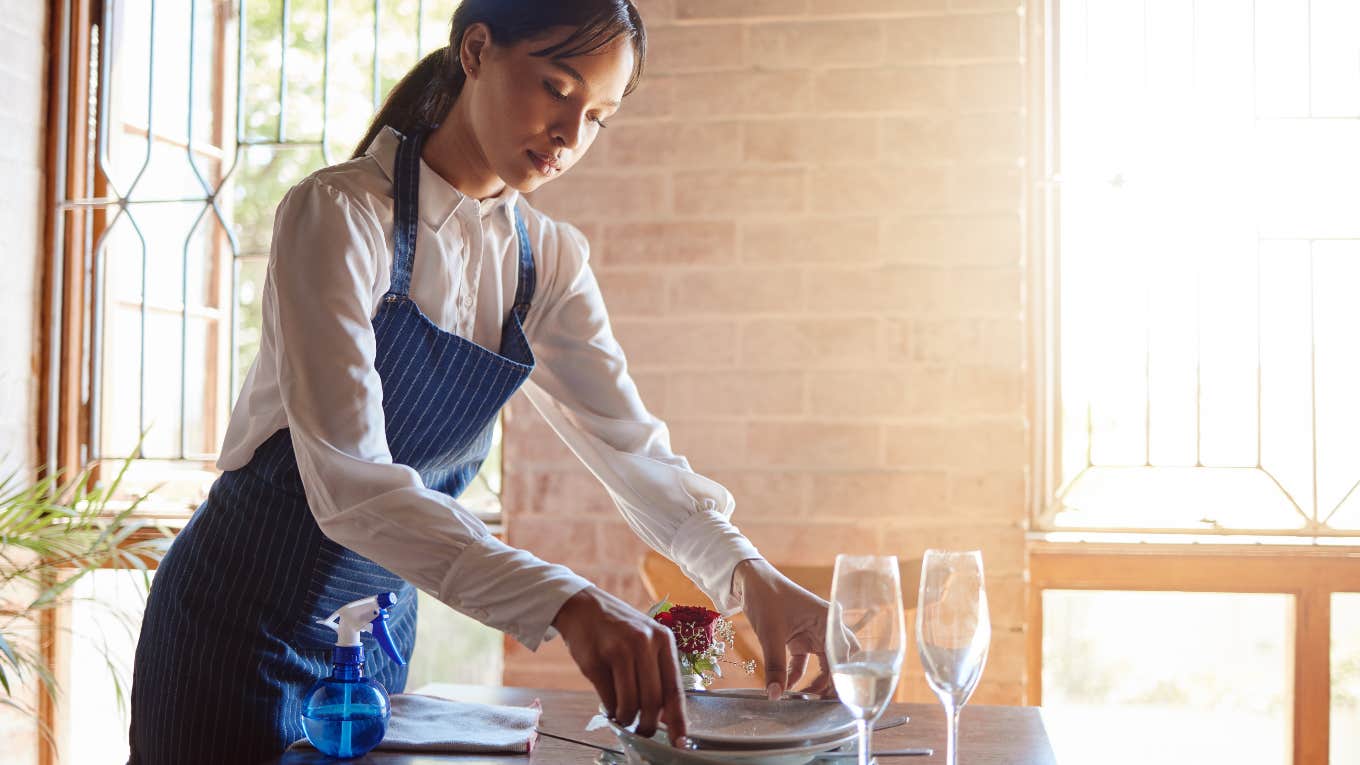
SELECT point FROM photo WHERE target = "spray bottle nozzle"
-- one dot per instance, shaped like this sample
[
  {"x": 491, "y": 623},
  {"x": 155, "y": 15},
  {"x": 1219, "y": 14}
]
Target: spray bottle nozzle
[{"x": 364, "y": 615}]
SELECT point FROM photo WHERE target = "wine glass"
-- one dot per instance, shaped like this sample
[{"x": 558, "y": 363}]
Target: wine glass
[
  {"x": 865, "y": 637},
  {"x": 953, "y": 632}
]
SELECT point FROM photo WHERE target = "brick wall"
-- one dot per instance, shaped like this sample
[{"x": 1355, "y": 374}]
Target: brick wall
[
  {"x": 807, "y": 223},
  {"x": 23, "y": 50}
]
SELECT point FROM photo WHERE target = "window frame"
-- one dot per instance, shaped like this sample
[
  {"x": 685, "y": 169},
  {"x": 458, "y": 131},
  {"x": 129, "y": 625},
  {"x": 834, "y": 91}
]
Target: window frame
[{"x": 1311, "y": 569}]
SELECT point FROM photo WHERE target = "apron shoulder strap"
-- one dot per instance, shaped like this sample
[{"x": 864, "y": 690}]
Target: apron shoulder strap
[
  {"x": 406, "y": 190},
  {"x": 524, "y": 292}
]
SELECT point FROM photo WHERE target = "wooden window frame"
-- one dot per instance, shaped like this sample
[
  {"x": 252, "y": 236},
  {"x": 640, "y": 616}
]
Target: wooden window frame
[{"x": 1311, "y": 571}]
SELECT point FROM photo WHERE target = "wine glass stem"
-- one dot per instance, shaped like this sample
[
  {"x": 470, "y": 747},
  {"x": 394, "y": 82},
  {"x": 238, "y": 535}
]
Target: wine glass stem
[
  {"x": 951, "y": 747},
  {"x": 864, "y": 732}
]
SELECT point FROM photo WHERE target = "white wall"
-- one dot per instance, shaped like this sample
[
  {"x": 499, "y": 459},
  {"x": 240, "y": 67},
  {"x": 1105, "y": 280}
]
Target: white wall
[{"x": 23, "y": 118}]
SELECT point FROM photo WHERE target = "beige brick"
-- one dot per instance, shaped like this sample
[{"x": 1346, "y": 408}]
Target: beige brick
[
  {"x": 872, "y": 393},
  {"x": 735, "y": 291},
  {"x": 954, "y": 239},
  {"x": 885, "y": 494},
  {"x": 688, "y": 144},
  {"x": 670, "y": 244},
  {"x": 807, "y": 141},
  {"x": 815, "y": 45},
  {"x": 653, "y": 387},
  {"x": 985, "y": 445},
  {"x": 812, "y": 445},
  {"x": 915, "y": 290},
  {"x": 989, "y": 342},
  {"x": 1003, "y": 547},
  {"x": 623, "y": 547},
  {"x": 557, "y": 540},
  {"x": 1004, "y": 488},
  {"x": 709, "y": 444},
  {"x": 654, "y": 11},
  {"x": 972, "y": 137},
  {"x": 744, "y": 392},
  {"x": 731, "y": 94},
  {"x": 675, "y": 49},
  {"x": 840, "y": 240},
  {"x": 961, "y": 37},
  {"x": 766, "y": 495},
  {"x": 556, "y": 494},
  {"x": 986, "y": 5},
  {"x": 812, "y": 544},
  {"x": 877, "y": 188},
  {"x": 676, "y": 344},
  {"x": 908, "y": 89},
  {"x": 746, "y": 9},
  {"x": 740, "y": 191},
  {"x": 987, "y": 188},
  {"x": 808, "y": 343},
  {"x": 604, "y": 196},
  {"x": 874, "y": 7},
  {"x": 653, "y": 98},
  {"x": 529, "y": 440},
  {"x": 633, "y": 292},
  {"x": 989, "y": 87},
  {"x": 988, "y": 390}
]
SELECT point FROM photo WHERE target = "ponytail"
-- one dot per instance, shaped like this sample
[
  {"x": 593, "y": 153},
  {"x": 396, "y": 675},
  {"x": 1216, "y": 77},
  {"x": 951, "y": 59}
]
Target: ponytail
[
  {"x": 420, "y": 98},
  {"x": 426, "y": 93}
]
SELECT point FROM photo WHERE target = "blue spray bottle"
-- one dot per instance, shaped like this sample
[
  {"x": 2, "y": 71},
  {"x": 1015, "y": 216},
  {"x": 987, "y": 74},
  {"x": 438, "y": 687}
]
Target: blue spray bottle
[{"x": 345, "y": 715}]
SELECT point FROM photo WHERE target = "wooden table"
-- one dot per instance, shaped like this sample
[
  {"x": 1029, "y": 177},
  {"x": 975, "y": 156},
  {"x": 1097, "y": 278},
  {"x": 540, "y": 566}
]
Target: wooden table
[{"x": 987, "y": 735}]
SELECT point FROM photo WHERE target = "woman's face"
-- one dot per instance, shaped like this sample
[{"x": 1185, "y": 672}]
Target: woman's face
[{"x": 535, "y": 117}]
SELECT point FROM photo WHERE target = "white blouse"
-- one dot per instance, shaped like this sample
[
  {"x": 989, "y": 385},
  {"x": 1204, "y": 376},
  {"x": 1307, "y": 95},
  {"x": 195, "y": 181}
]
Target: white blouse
[{"x": 330, "y": 265}]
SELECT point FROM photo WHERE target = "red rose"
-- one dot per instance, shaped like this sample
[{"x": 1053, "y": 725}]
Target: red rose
[{"x": 692, "y": 625}]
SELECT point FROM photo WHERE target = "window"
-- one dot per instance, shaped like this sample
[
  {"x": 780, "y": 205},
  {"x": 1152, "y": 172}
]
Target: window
[
  {"x": 1206, "y": 178},
  {"x": 1196, "y": 169},
  {"x": 197, "y": 125}
]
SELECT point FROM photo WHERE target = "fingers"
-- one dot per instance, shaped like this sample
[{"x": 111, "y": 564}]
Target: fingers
[
  {"x": 776, "y": 671},
  {"x": 625, "y": 688},
  {"x": 821, "y": 684},
  {"x": 797, "y": 666},
  {"x": 649, "y": 670},
  {"x": 603, "y": 680},
  {"x": 672, "y": 698}
]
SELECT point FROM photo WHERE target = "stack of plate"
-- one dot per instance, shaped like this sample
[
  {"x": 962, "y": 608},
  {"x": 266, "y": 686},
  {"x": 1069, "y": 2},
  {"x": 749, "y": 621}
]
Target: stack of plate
[{"x": 745, "y": 729}]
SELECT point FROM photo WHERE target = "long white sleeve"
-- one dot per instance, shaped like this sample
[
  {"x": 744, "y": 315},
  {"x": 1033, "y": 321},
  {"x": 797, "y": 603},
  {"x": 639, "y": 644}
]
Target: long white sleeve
[
  {"x": 317, "y": 309},
  {"x": 582, "y": 388}
]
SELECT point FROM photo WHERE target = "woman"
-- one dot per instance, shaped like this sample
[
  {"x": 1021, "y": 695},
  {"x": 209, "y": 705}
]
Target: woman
[{"x": 411, "y": 291}]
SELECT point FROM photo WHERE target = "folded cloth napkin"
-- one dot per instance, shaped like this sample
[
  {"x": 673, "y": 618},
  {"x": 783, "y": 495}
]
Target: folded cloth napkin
[{"x": 423, "y": 723}]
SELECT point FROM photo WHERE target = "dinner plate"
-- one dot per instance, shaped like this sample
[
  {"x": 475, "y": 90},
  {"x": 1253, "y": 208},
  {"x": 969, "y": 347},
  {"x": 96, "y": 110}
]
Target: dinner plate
[
  {"x": 658, "y": 751},
  {"x": 743, "y": 722}
]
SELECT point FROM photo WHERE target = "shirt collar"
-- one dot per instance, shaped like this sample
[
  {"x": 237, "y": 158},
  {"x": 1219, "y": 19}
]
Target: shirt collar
[{"x": 438, "y": 198}]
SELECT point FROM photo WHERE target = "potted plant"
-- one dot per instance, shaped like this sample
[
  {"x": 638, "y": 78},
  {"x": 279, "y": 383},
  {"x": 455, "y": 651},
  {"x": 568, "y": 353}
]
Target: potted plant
[{"x": 52, "y": 534}]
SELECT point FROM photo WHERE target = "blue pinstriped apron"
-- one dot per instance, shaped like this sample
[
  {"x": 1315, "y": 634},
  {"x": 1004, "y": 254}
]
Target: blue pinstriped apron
[{"x": 229, "y": 642}]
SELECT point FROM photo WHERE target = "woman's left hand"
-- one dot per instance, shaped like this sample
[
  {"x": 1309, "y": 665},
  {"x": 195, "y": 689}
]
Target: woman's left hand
[{"x": 789, "y": 622}]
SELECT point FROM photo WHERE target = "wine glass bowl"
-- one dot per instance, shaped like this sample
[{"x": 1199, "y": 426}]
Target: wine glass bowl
[
  {"x": 953, "y": 631},
  {"x": 866, "y": 636}
]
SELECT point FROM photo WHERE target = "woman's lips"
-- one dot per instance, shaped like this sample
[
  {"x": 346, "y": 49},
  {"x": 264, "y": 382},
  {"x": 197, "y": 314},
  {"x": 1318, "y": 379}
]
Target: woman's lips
[{"x": 545, "y": 164}]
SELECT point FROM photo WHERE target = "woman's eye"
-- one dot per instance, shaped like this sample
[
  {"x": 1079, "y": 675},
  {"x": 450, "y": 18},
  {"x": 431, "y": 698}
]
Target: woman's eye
[
  {"x": 554, "y": 92},
  {"x": 599, "y": 122}
]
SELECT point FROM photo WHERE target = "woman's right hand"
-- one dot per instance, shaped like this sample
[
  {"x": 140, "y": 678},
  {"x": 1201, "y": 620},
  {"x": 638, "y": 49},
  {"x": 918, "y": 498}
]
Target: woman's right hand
[{"x": 629, "y": 658}]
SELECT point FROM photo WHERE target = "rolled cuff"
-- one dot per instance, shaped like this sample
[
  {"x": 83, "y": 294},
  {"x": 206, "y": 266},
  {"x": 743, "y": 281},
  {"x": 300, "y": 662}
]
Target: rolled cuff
[{"x": 707, "y": 548}]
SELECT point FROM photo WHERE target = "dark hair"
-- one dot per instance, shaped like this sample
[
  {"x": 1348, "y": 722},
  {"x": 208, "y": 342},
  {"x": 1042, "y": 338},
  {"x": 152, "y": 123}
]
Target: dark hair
[{"x": 430, "y": 88}]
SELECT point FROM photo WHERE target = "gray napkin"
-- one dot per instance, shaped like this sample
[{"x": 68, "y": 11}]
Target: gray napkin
[{"x": 423, "y": 723}]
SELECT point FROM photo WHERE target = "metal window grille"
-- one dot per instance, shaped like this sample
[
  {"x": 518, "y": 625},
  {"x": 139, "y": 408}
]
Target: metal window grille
[
  {"x": 201, "y": 114},
  {"x": 1204, "y": 177}
]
